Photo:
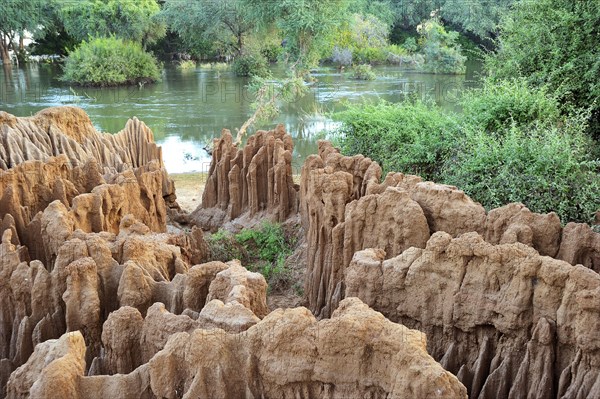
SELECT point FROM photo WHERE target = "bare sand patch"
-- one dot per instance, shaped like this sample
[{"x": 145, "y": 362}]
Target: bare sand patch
[{"x": 189, "y": 188}]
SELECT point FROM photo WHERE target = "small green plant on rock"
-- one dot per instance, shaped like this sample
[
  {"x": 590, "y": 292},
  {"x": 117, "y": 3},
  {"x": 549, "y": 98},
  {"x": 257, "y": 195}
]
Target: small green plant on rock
[{"x": 263, "y": 249}]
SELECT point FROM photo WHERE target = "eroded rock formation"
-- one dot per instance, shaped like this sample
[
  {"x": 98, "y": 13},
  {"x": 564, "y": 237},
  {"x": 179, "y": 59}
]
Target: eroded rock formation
[
  {"x": 286, "y": 355},
  {"x": 341, "y": 205},
  {"x": 253, "y": 180},
  {"x": 499, "y": 304},
  {"x": 57, "y": 155},
  {"x": 100, "y": 301},
  {"x": 81, "y": 209},
  {"x": 508, "y": 322},
  {"x": 68, "y": 131}
]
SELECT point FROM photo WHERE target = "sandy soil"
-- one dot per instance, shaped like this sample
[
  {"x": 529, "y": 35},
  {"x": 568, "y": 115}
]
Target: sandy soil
[{"x": 189, "y": 188}]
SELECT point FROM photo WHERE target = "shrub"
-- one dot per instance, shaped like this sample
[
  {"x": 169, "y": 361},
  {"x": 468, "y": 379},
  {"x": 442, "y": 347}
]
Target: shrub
[
  {"x": 220, "y": 66},
  {"x": 498, "y": 104},
  {"x": 271, "y": 51},
  {"x": 251, "y": 65},
  {"x": 364, "y": 72},
  {"x": 546, "y": 168},
  {"x": 186, "y": 65},
  {"x": 411, "y": 138},
  {"x": 410, "y": 45},
  {"x": 396, "y": 50},
  {"x": 263, "y": 249},
  {"x": 109, "y": 62},
  {"x": 442, "y": 53},
  {"x": 370, "y": 55},
  {"x": 341, "y": 56},
  {"x": 553, "y": 43},
  {"x": 547, "y": 163}
]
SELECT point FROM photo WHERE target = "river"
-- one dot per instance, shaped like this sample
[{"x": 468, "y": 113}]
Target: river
[{"x": 190, "y": 107}]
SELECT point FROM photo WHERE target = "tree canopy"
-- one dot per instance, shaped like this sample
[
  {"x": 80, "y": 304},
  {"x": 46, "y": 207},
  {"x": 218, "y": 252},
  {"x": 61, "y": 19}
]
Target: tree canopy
[
  {"x": 305, "y": 25},
  {"x": 553, "y": 43},
  {"x": 133, "y": 20},
  {"x": 17, "y": 16},
  {"x": 222, "y": 21}
]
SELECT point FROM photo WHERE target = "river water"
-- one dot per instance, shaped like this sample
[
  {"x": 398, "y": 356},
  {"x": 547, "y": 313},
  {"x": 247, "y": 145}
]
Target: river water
[{"x": 190, "y": 107}]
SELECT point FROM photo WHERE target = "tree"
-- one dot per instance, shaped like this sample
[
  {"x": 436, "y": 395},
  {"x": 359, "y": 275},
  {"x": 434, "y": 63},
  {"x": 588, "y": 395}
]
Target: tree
[
  {"x": 224, "y": 23},
  {"x": 480, "y": 17},
  {"x": 442, "y": 53},
  {"x": 553, "y": 43},
  {"x": 383, "y": 10},
  {"x": 410, "y": 13},
  {"x": 17, "y": 16},
  {"x": 306, "y": 25},
  {"x": 133, "y": 20}
]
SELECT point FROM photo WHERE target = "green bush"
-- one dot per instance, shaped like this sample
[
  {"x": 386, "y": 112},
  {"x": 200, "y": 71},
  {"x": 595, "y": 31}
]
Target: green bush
[
  {"x": 411, "y": 138},
  {"x": 263, "y": 249},
  {"x": 271, "y": 51},
  {"x": 546, "y": 168},
  {"x": 553, "y": 43},
  {"x": 364, "y": 72},
  {"x": 547, "y": 163},
  {"x": 109, "y": 62},
  {"x": 410, "y": 45},
  {"x": 187, "y": 65},
  {"x": 251, "y": 65},
  {"x": 370, "y": 55},
  {"x": 440, "y": 49},
  {"x": 496, "y": 106}
]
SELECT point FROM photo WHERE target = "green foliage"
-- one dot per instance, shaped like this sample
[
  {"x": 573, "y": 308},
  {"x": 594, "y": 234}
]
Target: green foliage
[
  {"x": 52, "y": 42},
  {"x": 481, "y": 17},
  {"x": 187, "y": 65},
  {"x": 19, "y": 15},
  {"x": 362, "y": 38},
  {"x": 133, "y": 20},
  {"x": 383, "y": 10},
  {"x": 400, "y": 56},
  {"x": 553, "y": 43},
  {"x": 410, "y": 45},
  {"x": 510, "y": 145},
  {"x": 364, "y": 72},
  {"x": 217, "y": 66},
  {"x": 407, "y": 137},
  {"x": 370, "y": 55},
  {"x": 269, "y": 93},
  {"x": 307, "y": 26},
  {"x": 368, "y": 31},
  {"x": 263, "y": 249},
  {"x": 223, "y": 24},
  {"x": 251, "y": 64},
  {"x": 224, "y": 247},
  {"x": 546, "y": 168},
  {"x": 410, "y": 13},
  {"x": 442, "y": 53},
  {"x": 496, "y": 106},
  {"x": 108, "y": 62},
  {"x": 271, "y": 51}
]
